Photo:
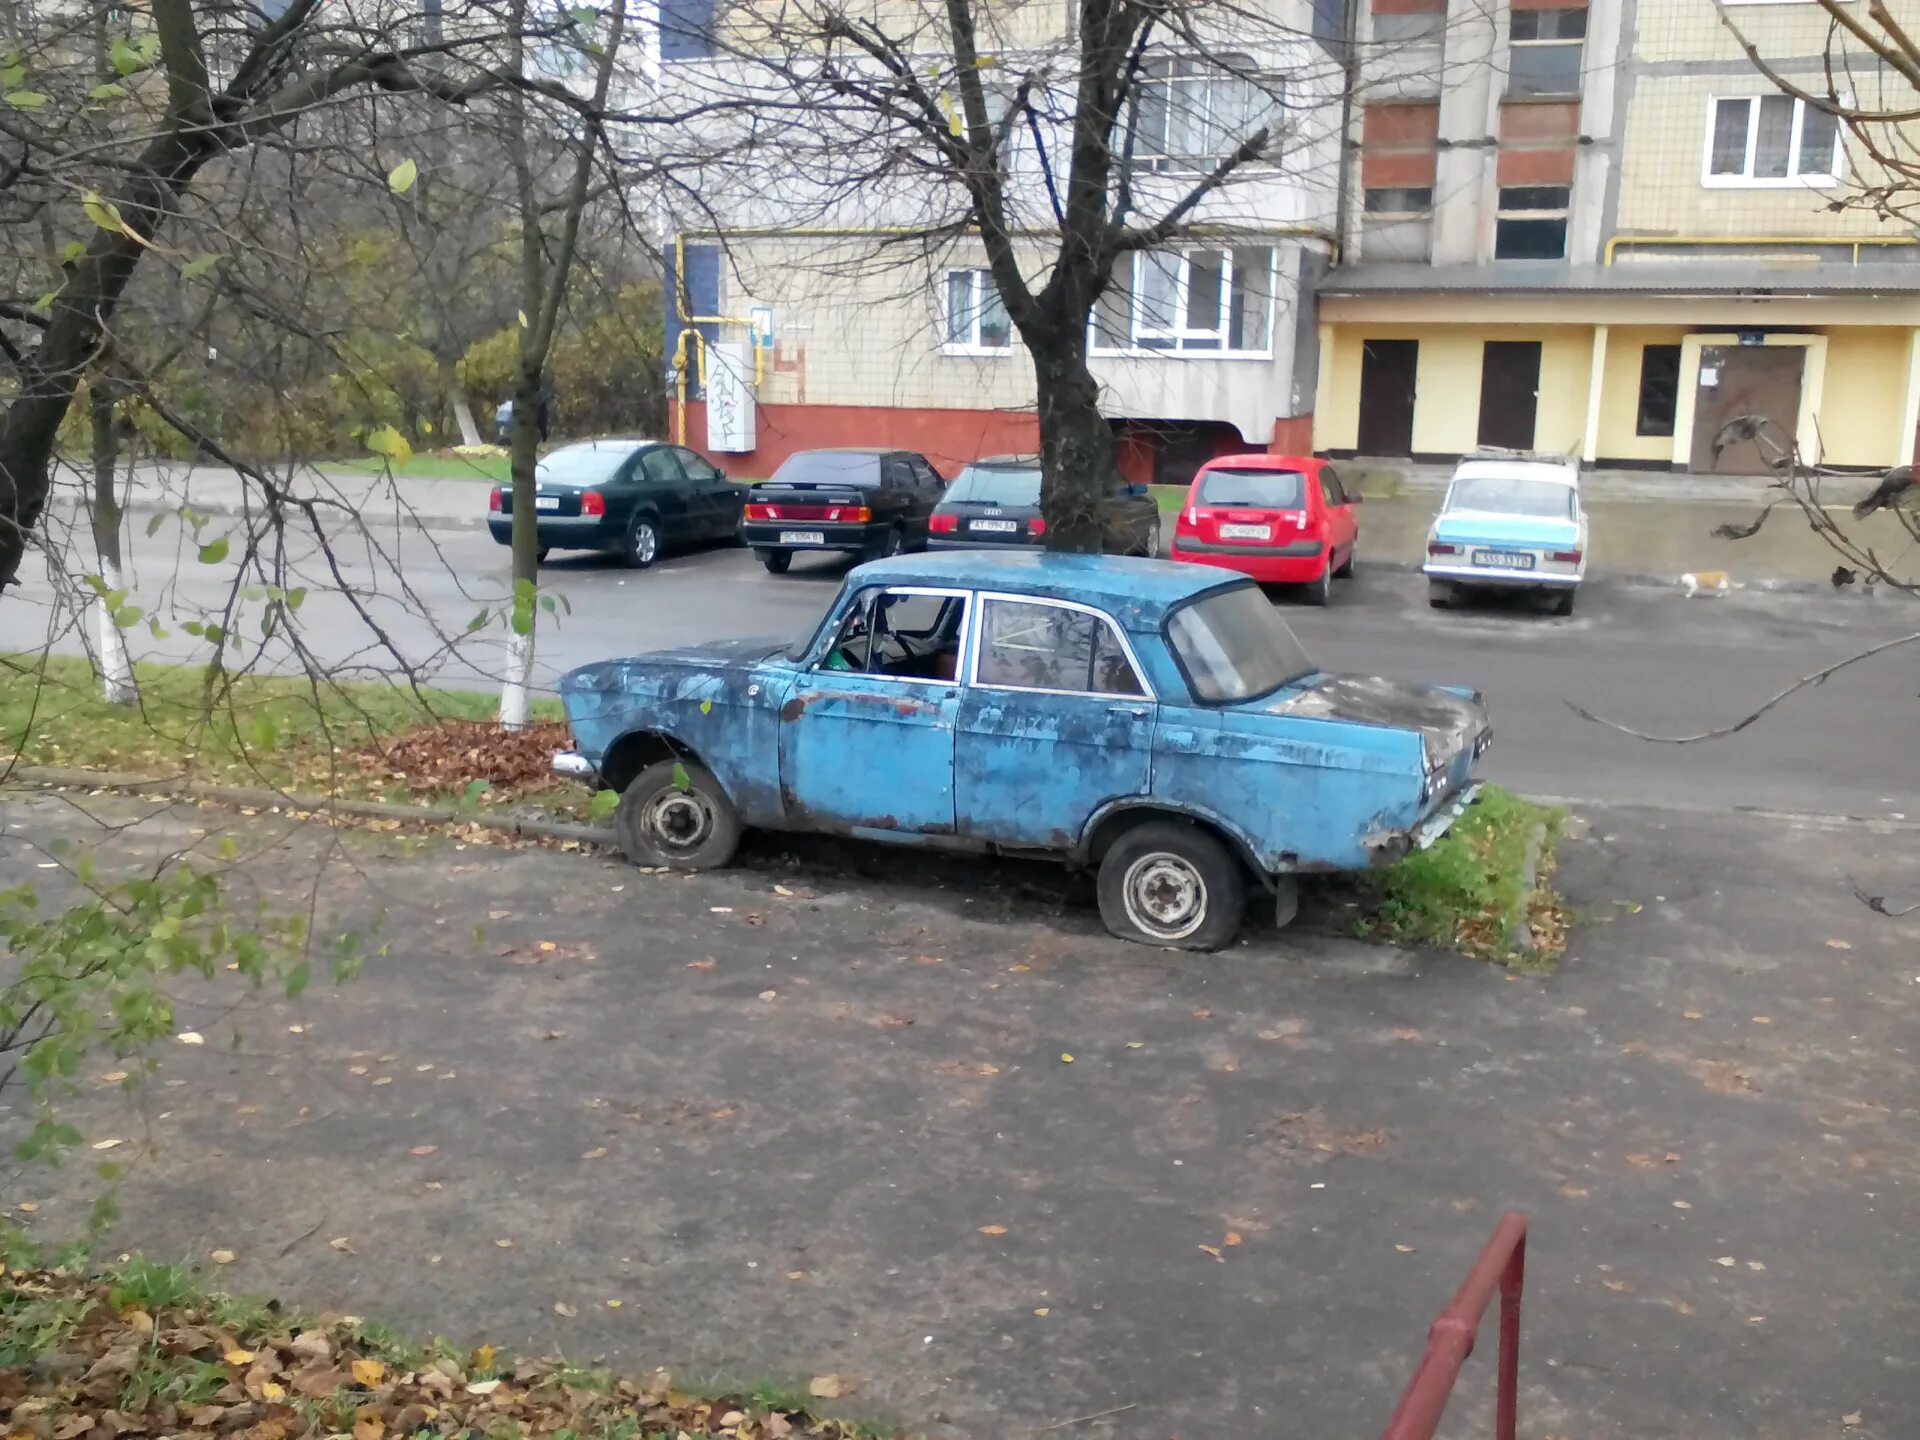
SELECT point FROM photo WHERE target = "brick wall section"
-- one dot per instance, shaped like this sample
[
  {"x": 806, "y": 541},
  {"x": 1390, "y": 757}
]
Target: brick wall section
[
  {"x": 1397, "y": 144},
  {"x": 1536, "y": 143}
]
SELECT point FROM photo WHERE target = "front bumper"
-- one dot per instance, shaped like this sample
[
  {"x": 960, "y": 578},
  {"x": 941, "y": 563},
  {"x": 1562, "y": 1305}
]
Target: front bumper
[
  {"x": 587, "y": 532},
  {"x": 1292, "y": 564},
  {"x": 766, "y": 535},
  {"x": 575, "y": 766},
  {"x": 1390, "y": 847}
]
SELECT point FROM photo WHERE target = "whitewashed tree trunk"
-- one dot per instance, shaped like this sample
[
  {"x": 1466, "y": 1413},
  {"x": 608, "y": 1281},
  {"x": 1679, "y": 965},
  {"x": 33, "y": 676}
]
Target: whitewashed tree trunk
[
  {"x": 116, "y": 665},
  {"x": 516, "y": 693},
  {"x": 462, "y": 409}
]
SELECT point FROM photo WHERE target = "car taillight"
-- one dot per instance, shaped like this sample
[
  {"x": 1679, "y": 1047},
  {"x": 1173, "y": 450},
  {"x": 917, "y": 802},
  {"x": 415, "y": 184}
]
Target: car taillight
[
  {"x": 1436, "y": 548},
  {"x": 943, "y": 524},
  {"x": 763, "y": 512},
  {"x": 494, "y": 501},
  {"x": 851, "y": 514},
  {"x": 1037, "y": 525},
  {"x": 1565, "y": 557},
  {"x": 1189, "y": 518},
  {"x": 592, "y": 502}
]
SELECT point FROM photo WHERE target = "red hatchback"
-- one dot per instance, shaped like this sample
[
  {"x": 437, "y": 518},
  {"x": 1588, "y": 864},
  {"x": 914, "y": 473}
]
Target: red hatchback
[{"x": 1281, "y": 519}]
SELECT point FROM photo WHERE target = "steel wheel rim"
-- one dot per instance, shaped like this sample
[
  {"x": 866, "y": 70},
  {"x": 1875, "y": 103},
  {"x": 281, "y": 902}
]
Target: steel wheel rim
[
  {"x": 1153, "y": 543},
  {"x": 646, "y": 544},
  {"x": 1164, "y": 895},
  {"x": 679, "y": 821}
]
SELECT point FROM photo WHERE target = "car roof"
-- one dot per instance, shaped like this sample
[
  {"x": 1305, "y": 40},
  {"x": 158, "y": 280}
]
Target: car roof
[
  {"x": 1562, "y": 472},
  {"x": 1022, "y": 462},
  {"x": 849, "y": 450},
  {"x": 612, "y": 444},
  {"x": 1138, "y": 592},
  {"x": 1261, "y": 460}
]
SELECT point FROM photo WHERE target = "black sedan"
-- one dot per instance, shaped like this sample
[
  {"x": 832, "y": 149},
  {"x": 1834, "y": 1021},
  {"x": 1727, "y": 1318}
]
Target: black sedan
[
  {"x": 859, "y": 502},
  {"x": 997, "y": 502},
  {"x": 631, "y": 498}
]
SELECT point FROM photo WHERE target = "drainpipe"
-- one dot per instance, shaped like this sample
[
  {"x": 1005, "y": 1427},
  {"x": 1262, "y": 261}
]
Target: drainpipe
[{"x": 1350, "y": 72}]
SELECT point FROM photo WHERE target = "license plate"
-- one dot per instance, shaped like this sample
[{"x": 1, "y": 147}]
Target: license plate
[
  {"x": 1503, "y": 560},
  {"x": 998, "y": 527},
  {"x": 1246, "y": 532},
  {"x": 803, "y": 537},
  {"x": 546, "y": 502}
]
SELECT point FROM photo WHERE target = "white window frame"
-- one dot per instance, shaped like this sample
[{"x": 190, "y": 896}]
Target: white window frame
[
  {"x": 1139, "y": 324},
  {"x": 1792, "y": 180},
  {"x": 1201, "y": 78},
  {"x": 977, "y": 639},
  {"x": 982, "y": 284},
  {"x": 1580, "y": 77}
]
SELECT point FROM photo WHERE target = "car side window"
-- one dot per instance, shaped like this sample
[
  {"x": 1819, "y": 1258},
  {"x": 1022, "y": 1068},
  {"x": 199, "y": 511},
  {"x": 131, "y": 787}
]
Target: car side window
[
  {"x": 925, "y": 474},
  {"x": 898, "y": 475},
  {"x": 1331, "y": 487},
  {"x": 909, "y": 635},
  {"x": 658, "y": 467},
  {"x": 1036, "y": 646},
  {"x": 696, "y": 468}
]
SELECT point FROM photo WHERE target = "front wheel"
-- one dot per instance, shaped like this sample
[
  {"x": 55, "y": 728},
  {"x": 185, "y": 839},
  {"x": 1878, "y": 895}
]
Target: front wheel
[
  {"x": 1173, "y": 885},
  {"x": 776, "y": 561},
  {"x": 1151, "y": 549},
  {"x": 675, "y": 814},
  {"x": 643, "y": 542}
]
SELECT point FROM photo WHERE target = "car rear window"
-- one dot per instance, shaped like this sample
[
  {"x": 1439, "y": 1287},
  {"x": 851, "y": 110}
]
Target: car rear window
[
  {"x": 1234, "y": 646},
  {"x": 829, "y": 467},
  {"x": 1512, "y": 495},
  {"x": 581, "y": 464},
  {"x": 996, "y": 485},
  {"x": 1255, "y": 489}
]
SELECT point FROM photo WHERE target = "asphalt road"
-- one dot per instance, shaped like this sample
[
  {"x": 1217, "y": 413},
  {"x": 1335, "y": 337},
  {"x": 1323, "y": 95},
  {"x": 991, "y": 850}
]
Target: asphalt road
[{"x": 1647, "y": 657}]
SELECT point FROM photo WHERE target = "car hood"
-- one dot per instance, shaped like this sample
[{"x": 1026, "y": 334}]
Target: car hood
[
  {"x": 709, "y": 655},
  {"x": 1449, "y": 719}
]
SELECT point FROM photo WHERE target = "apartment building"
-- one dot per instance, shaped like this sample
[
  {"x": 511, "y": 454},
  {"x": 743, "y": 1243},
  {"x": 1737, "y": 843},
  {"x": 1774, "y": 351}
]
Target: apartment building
[
  {"x": 805, "y": 312},
  {"x": 1598, "y": 230}
]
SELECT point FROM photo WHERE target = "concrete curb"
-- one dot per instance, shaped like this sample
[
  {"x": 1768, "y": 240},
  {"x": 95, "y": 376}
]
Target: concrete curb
[
  {"x": 1516, "y": 934},
  {"x": 148, "y": 505},
  {"x": 46, "y": 777}
]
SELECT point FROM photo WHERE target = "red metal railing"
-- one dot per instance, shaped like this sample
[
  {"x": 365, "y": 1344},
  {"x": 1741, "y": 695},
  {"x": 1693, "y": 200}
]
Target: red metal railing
[{"x": 1502, "y": 1266}]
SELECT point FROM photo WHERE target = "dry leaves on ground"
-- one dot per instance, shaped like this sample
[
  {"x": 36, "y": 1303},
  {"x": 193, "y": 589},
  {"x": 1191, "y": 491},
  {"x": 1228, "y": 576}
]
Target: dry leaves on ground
[
  {"x": 453, "y": 754},
  {"x": 97, "y": 1370}
]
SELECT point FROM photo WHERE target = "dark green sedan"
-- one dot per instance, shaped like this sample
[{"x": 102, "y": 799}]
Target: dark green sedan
[{"x": 631, "y": 498}]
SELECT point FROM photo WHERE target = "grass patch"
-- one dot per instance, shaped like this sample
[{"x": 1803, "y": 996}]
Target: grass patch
[
  {"x": 1469, "y": 891},
  {"x": 1168, "y": 497},
  {"x": 136, "y": 1353},
  {"x": 428, "y": 465},
  {"x": 288, "y": 732}
]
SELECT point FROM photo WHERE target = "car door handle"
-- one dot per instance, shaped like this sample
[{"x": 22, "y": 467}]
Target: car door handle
[{"x": 1128, "y": 712}]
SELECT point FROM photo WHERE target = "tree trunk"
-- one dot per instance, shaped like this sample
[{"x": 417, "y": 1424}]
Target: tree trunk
[
  {"x": 1076, "y": 443},
  {"x": 457, "y": 401},
  {"x": 516, "y": 694},
  {"x": 116, "y": 666}
]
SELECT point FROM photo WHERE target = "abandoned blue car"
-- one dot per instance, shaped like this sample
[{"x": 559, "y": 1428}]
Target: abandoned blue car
[{"x": 1159, "y": 722}]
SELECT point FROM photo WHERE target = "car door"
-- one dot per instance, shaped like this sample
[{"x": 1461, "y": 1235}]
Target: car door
[
  {"x": 718, "y": 499},
  {"x": 866, "y": 731},
  {"x": 1343, "y": 528},
  {"x": 664, "y": 490},
  {"x": 1056, "y": 720}
]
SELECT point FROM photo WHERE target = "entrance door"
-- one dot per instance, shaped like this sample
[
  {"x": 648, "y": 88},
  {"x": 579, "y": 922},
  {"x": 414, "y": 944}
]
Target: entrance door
[
  {"x": 1387, "y": 373},
  {"x": 1741, "y": 380},
  {"x": 1509, "y": 393}
]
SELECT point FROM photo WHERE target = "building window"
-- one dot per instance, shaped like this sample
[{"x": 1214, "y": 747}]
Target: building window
[
  {"x": 1192, "y": 112},
  {"x": 1199, "y": 300},
  {"x": 686, "y": 29},
  {"x": 1544, "y": 56},
  {"x": 1763, "y": 140},
  {"x": 1659, "y": 389},
  {"x": 1400, "y": 200},
  {"x": 1532, "y": 223},
  {"x": 1411, "y": 27},
  {"x": 976, "y": 315}
]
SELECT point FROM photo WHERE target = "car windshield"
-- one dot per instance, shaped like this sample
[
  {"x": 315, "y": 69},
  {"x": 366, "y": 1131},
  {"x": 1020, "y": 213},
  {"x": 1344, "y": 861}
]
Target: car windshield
[
  {"x": 1235, "y": 646},
  {"x": 1253, "y": 489},
  {"x": 1512, "y": 495},
  {"x": 829, "y": 467},
  {"x": 581, "y": 464},
  {"x": 997, "y": 485}
]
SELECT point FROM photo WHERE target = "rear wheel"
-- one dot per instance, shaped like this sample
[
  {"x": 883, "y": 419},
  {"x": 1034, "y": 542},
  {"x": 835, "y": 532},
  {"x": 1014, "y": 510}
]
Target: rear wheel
[
  {"x": 1318, "y": 592},
  {"x": 1345, "y": 572},
  {"x": 1169, "y": 884},
  {"x": 893, "y": 543},
  {"x": 642, "y": 545},
  {"x": 1439, "y": 594},
  {"x": 675, "y": 813},
  {"x": 1563, "y": 602},
  {"x": 776, "y": 561}
]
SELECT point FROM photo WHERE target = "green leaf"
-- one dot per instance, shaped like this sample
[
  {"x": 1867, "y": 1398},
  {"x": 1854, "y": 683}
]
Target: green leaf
[
  {"x": 25, "y": 99},
  {"x": 296, "y": 597},
  {"x": 126, "y": 59},
  {"x": 546, "y": 604},
  {"x": 154, "y": 628},
  {"x": 298, "y": 979},
  {"x": 478, "y": 622},
  {"x": 214, "y": 551},
  {"x": 475, "y": 789},
  {"x": 603, "y": 804},
  {"x": 108, "y": 91},
  {"x": 198, "y": 266},
  {"x": 73, "y": 250},
  {"x": 12, "y": 73},
  {"x": 400, "y": 179},
  {"x": 266, "y": 733},
  {"x": 227, "y": 848},
  {"x": 45, "y": 302},
  {"x": 153, "y": 525},
  {"x": 127, "y": 615},
  {"x": 706, "y": 707},
  {"x": 391, "y": 443},
  {"x": 194, "y": 627},
  {"x": 95, "y": 584},
  {"x": 103, "y": 213},
  {"x": 523, "y": 608},
  {"x": 681, "y": 780}
]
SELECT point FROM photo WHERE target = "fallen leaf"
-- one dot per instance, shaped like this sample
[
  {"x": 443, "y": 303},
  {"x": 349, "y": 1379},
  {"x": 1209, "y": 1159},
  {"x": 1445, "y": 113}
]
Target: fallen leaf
[
  {"x": 1690, "y": 1015},
  {"x": 562, "y": 1308},
  {"x": 191, "y": 1037},
  {"x": 1405, "y": 1032},
  {"x": 342, "y": 1244},
  {"x": 1762, "y": 1020},
  {"x": 384, "y": 1080},
  {"x": 238, "y": 1357},
  {"x": 1214, "y": 1251},
  {"x": 700, "y": 964},
  {"x": 219, "y": 1257},
  {"x": 828, "y": 1387},
  {"x": 1043, "y": 1311},
  {"x": 1404, "y": 1249},
  {"x": 1682, "y": 1205},
  {"x": 781, "y": 890},
  {"x": 733, "y": 1417},
  {"x": 1619, "y": 1287},
  {"x": 1642, "y": 1161},
  {"x": 796, "y": 1274},
  {"x": 483, "y": 1387},
  {"x": 1755, "y": 1265},
  {"x": 368, "y": 1372},
  {"x": 508, "y": 1245},
  {"x": 113, "y": 1077},
  {"x": 993, "y": 1229},
  {"x": 1726, "y": 1260},
  {"x": 483, "y": 1355},
  {"x": 1233, "y": 1237},
  {"x": 271, "y": 1392},
  {"x": 356, "y": 1070},
  {"x": 107, "y": 1144},
  {"x": 548, "y": 946},
  {"x": 1852, "y": 1417},
  {"x": 423, "y": 1150},
  {"x": 1136, "y": 1044},
  {"x": 27, "y": 1207},
  {"x": 598, "y": 1152},
  {"x": 1839, "y": 945},
  {"x": 615, "y": 1304},
  {"x": 368, "y": 1426},
  {"x": 769, "y": 994},
  {"x": 1203, "y": 1014},
  {"x": 421, "y": 1069},
  {"x": 1066, "y": 1059}
]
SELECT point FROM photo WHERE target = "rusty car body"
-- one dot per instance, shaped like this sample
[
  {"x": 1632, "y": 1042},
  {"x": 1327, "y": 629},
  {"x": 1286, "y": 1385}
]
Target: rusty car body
[{"x": 1157, "y": 721}]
